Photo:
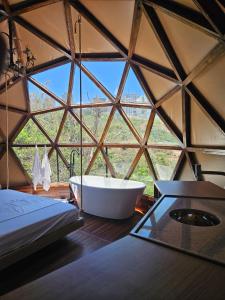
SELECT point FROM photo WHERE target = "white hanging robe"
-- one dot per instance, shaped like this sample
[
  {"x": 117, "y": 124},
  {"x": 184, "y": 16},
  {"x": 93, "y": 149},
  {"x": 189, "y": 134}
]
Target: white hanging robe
[
  {"x": 36, "y": 169},
  {"x": 46, "y": 172}
]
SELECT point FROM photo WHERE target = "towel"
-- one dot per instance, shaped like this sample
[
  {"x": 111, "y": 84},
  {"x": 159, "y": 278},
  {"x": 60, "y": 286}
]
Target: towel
[
  {"x": 36, "y": 170},
  {"x": 46, "y": 171}
]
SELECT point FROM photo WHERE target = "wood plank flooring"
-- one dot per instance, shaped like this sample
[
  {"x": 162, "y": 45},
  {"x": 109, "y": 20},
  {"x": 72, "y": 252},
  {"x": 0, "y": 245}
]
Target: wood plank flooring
[{"x": 96, "y": 233}]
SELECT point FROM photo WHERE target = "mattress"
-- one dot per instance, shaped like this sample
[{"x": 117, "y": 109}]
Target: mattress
[{"x": 25, "y": 218}]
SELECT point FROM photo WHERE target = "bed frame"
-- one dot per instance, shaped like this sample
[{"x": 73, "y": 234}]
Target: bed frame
[{"x": 26, "y": 250}]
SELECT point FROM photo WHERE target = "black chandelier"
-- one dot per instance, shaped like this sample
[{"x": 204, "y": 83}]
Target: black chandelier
[{"x": 13, "y": 63}]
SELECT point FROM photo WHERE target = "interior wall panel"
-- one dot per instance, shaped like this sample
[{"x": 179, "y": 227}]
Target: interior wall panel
[
  {"x": 16, "y": 96},
  {"x": 116, "y": 16},
  {"x": 191, "y": 45}
]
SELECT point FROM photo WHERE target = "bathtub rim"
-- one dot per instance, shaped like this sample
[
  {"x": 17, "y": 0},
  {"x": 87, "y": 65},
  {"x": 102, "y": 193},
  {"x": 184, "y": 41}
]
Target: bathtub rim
[{"x": 142, "y": 185}]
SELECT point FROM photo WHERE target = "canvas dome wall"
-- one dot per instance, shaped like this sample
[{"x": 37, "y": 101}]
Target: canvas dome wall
[{"x": 174, "y": 49}]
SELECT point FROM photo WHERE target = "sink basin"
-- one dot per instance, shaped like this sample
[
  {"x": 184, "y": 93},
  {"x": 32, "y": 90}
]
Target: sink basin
[{"x": 194, "y": 217}]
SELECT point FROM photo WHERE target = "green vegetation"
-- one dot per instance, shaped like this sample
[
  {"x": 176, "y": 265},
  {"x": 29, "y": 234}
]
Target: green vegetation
[{"x": 95, "y": 119}]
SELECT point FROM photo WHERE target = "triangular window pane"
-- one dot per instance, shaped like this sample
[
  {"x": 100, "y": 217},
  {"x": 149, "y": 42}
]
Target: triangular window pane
[
  {"x": 121, "y": 159},
  {"x": 31, "y": 134},
  {"x": 51, "y": 122},
  {"x": 133, "y": 92},
  {"x": 90, "y": 92},
  {"x": 95, "y": 119},
  {"x": 55, "y": 80},
  {"x": 99, "y": 166},
  {"x": 160, "y": 134},
  {"x": 26, "y": 157},
  {"x": 164, "y": 162},
  {"x": 64, "y": 174},
  {"x": 39, "y": 100},
  {"x": 71, "y": 132},
  {"x": 108, "y": 73},
  {"x": 141, "y": 173},
  {"x": 119, "y": 132},
  {"x": 139, "y": 118}
]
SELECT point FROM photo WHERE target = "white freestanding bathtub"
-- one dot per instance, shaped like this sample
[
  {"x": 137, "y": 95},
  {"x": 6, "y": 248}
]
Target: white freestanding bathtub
[{"x": 107, "y": 197}]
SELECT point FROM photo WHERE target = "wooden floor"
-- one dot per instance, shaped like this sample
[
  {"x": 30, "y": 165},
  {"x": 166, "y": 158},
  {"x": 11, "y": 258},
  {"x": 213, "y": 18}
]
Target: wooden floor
[{"x": 96, "y": 233}]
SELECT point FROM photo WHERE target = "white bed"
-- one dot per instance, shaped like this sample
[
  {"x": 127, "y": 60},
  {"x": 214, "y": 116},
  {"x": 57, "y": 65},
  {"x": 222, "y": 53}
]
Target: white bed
[{"x": 28, "y": 223}]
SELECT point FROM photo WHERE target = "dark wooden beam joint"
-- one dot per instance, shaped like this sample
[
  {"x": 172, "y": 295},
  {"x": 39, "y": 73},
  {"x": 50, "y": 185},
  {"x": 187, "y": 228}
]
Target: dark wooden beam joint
[
  {"x": 213, "y": 13},
  {"x": 183, "y": 12}
]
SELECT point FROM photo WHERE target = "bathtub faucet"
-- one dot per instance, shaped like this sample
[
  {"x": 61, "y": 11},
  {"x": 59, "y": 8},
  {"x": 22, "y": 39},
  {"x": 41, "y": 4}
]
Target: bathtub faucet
[{"x": 72, "y": 162}]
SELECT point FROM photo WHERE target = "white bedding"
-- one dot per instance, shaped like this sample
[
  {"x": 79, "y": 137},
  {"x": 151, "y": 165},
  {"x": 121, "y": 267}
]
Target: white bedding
[{"x": 24, "y": 218}]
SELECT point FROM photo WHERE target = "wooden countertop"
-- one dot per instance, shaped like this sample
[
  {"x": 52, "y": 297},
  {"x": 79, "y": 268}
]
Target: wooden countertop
[
  {"x": 130, "y": 268},
  {"x": 190, "y": 188}
]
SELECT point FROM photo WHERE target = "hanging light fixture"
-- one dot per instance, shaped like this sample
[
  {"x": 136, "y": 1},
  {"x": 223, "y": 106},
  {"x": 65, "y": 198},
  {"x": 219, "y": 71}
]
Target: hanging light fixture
[{"x": 13, "y": 63}]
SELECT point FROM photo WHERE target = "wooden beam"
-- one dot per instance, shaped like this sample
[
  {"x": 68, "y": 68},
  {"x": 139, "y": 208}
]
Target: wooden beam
[
  {"x": 206, "y": 107},
  {"x": 29, "y": 5},
  {"x": 135, "y": 27},
  {"x": 95, "y": 154},
  {"x": 43, "y": 36},
  {"x": 154, "y": 67},
  {"x": 174, "y": 130},
  {"x": 26, "y": 94},
  {"x": 137, "y": 105},
  {"x": 148, "y": 127},
  {"x": 186, "y": 118},
  {"x": 108, "y": 163},
  {"x": 164, "y": 41},
  {"x": 61, "y": 126},
  {"x": 96, "y": 82},
  {"x": 129, "y": 123},
  {"x": 185, "y": 14},
  {"x": 107, "y": 125},
  {"x": 134, "y": 163},
  {"x": 205, "y": 148},
  {"x": 150, "y": 165},
  {"x": 206, "y": 62},
  {"x": 46, "y": 91},
  {"x": 163, "y": 147},
  {"x": 192, "y": 160},
  {"x": 42, "y": 130},
  {"x": 49, "y": 110},
  {"x": 84, "y": 126},
  {"x": 69, "y": 26},
  {"x": 13, "y": 109},
  {"x": 10, "y": 83},
  {"x": 104, "y": 56},
  {"x": 144, "y": 84},
  {"x": 62, "y": 157},
  {"x": 122, "y": 82},
  {"x": 18, "y": 128},
  {"x": 213, "y": 13},
  {"x": 48, "y": 65},
  {"x": 167, "y": 96},
  {"x": 92, "y": 105},
  {"x": 71, "y": 83},
  {"x": 179, "y": 167},
  {"x": 99, "y": 26}
]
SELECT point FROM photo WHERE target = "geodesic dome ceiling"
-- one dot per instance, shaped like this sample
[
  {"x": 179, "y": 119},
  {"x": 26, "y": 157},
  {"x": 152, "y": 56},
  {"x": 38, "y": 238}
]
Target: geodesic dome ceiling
[{"x": 153, "y": 85}]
